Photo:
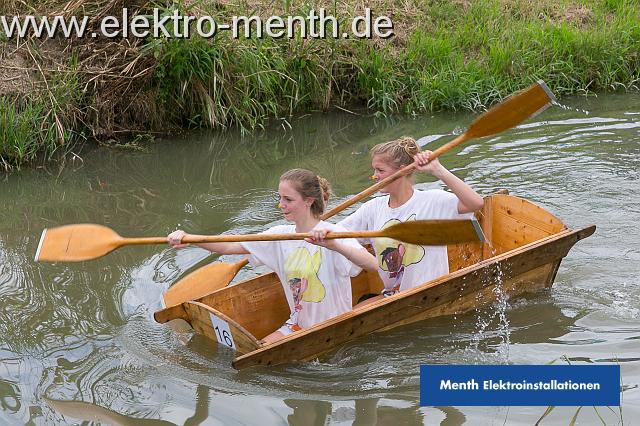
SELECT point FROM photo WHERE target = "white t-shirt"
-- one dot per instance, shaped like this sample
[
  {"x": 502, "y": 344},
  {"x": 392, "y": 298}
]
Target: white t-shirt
[
  {"x": 400, "y": 265},
  {"x": 316, "y": 280}
]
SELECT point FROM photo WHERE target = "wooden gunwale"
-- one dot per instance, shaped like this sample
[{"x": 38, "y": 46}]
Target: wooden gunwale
[{"x": 315, "y": 340}]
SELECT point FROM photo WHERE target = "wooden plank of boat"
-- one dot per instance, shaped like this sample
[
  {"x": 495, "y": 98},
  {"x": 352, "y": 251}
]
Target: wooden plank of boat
[
  {"x": 527, "y": 270},
  {"x": 212, "y": 323},
  {"x": 528, "y": 245}
]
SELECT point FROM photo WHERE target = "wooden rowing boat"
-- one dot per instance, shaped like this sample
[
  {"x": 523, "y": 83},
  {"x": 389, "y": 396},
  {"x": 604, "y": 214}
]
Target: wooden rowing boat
[{"x": 524, "y": 248}]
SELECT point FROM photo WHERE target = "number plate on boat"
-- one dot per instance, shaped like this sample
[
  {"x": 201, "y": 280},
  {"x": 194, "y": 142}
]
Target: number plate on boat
[{"x": 222, "y": 332}]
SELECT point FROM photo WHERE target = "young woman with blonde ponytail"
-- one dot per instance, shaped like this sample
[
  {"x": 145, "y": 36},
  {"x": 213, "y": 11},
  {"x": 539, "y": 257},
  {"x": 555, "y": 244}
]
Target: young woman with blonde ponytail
[
  {"x": 315, "y": 273},
  {"x": 402, "y": 266}
]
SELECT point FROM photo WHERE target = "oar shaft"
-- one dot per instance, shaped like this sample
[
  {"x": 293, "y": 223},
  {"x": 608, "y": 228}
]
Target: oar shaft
[
  {"x": 143, "y": 240},
  {"x": 449, "y": 146},
  {"x": 192, "y": 239},
  {"x": 195, "y": 239}
]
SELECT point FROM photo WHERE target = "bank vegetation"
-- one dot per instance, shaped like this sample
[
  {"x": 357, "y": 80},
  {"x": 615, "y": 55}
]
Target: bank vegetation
[{"x": 56, "y": 94}]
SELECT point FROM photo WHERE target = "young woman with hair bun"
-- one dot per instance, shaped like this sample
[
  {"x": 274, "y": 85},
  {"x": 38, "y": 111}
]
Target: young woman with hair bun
[
  {"x": 315, "y": 273},
  {"x": 402, "y": 266}
]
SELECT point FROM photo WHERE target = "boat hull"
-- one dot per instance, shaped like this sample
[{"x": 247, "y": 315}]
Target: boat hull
[{"x": 526, "y": 246}]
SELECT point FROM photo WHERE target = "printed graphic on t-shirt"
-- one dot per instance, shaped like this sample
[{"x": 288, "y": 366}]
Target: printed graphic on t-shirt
[
  {"x": 301, "y": 269},
  {"x": 393, "y": 256}
]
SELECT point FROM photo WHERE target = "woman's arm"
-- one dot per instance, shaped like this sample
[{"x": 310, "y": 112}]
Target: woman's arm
[
  {"x": 175, "y": 239},
  {"x": 469, "y": 200},
  {"x": 358, "y": 255}
]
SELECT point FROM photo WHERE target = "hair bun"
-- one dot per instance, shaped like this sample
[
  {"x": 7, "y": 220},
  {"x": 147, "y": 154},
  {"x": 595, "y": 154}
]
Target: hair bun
[
  {"x": 309, "y": 185},
  {"x": 325, "y": 187},
  {"x": 399, "y": 152},
  {"x": 409, "y": 145}
]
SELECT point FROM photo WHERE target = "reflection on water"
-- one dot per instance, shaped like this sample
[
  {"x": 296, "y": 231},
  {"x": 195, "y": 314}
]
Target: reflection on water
[
  {"x": 78, "y": 341},
  {"x": 96, "y": 413},
  {"x": 93, "y": 412}
]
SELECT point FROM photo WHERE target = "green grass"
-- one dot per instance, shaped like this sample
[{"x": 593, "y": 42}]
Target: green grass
[
  {"x": 38, "y": 125},
  {"x": 473, "y": 60},
  {"x": 455, "y": 58},
  {"x": 224, "y": 82},
  {"x": 22, "y": 135}
]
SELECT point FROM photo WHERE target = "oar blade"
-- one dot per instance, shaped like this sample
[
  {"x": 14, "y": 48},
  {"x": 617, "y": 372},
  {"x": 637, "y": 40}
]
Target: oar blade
[
  {"x": 201, "y": 282},
  {"x": 512, "y": 111},
  {"x": 75, "y": 243},
  {"x": 436, "y": 232}
]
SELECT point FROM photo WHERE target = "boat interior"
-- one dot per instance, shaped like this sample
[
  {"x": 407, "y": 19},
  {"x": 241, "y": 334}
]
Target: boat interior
[{"x": 258, "y": 306}]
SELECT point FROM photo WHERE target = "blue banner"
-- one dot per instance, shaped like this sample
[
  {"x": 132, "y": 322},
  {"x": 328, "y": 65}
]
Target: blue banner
[{"x": 520, "y": 385}]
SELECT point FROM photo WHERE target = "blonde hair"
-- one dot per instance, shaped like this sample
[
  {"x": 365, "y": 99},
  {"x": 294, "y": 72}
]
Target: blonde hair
[
  {"x": 399, "y": 152},
  {"x": 310, "y": 185}
]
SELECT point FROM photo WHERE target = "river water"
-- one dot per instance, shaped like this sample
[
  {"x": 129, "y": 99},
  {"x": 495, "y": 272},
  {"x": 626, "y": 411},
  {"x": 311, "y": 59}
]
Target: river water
[{"x": 78, "y": 342}]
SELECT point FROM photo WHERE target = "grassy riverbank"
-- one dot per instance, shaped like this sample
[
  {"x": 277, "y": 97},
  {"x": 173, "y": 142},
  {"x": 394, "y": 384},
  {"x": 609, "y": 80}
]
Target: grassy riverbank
[{"x": 444, "y": 55}]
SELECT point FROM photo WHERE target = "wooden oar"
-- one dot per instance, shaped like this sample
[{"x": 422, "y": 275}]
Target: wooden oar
[
  {"x": 74, "y": 243},
  {"x": 202, "y": 281},
  {"x": 501, "y": 117}
]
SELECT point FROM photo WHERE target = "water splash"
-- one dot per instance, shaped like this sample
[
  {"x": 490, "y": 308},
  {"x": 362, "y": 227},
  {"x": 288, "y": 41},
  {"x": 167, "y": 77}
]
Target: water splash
[
  {"x": 497, "y": 311},
  {"x": 569, "y": 108},
  {"x": 501, "y": 311}
]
